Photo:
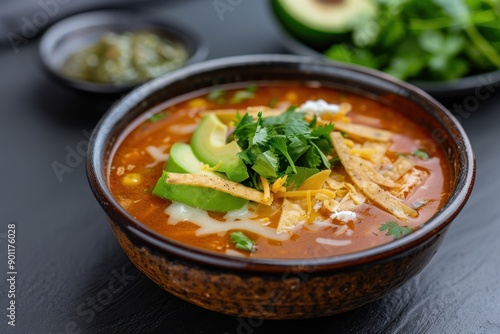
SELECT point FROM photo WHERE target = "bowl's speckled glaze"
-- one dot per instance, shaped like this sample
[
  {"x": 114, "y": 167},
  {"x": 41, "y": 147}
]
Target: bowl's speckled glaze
[{"x": 268, "y": 288}]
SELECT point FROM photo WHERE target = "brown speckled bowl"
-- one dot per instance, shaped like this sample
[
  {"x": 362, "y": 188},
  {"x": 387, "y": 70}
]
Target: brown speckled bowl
[{"x": 280, "y": 289}]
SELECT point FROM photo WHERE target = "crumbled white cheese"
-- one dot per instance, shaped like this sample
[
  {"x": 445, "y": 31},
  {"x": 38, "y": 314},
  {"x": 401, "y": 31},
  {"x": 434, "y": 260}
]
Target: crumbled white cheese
[
  {"x": 344, "y": 216},
  {"x": 318, "y": 206},
  {"x": 157, "y": 154},
  {"x": 319, "y": 107}
]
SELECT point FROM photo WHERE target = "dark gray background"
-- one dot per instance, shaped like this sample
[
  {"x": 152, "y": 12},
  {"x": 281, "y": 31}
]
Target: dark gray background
[{"x": 67, "y": 255}]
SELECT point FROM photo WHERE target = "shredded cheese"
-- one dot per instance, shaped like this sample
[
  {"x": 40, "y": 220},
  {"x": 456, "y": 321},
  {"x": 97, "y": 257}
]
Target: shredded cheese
[
  {"x": 179, "y": 212},
  {"x": 303, "y": 193},
  {"x": 309, "y": 202},
  {"x": 265, "y": 186},
  {"x": 157, "y": 154},
  {"x": 278, "y": 184}
]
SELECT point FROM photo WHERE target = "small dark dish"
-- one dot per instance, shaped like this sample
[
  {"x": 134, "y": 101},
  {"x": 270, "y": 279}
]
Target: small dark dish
[
  {"x": 76, "y": 32},
  {"x": 280, "y": 289}
]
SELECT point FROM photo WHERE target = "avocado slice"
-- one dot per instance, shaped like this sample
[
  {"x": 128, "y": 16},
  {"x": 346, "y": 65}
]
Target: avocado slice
[
  {"x": 209, "y": 145},
  {"x": 320, "y": 23},
  {"x": 183, "y": 160}
]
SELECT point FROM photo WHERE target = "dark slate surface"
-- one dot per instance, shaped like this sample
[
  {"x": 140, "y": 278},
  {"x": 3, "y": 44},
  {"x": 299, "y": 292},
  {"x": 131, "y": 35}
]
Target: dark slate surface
[{"x": 68, "y": 261}]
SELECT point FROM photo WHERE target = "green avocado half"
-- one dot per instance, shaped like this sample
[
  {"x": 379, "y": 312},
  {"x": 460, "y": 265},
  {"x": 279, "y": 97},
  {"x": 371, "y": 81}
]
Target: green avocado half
[
  {"x": 320, "y": 23},
  {"x": 209, "y": 145},
  {"x": 183, "y": 160}
]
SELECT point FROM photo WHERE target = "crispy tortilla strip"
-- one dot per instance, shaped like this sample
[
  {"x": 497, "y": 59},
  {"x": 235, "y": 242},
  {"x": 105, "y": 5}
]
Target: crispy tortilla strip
[
  {"x": 292, "y": 215},
  {"x": 334, "y": 184},
  {"x": 401, "y": 166},
  {"x": 355, "y": 195},
  {"x": 229, "y": 115},
  {"x": 409, "y": 181},
  {"x": 315, "y": 181},
  {"x": 346, "y": 204},
  {"x": 373, "y": 174},
  {"x": 368, "y": 187},
  {"x": 380, "y": 152},
  {"x": 364, "y": 131},
  {"x": 220, "y": 184}
]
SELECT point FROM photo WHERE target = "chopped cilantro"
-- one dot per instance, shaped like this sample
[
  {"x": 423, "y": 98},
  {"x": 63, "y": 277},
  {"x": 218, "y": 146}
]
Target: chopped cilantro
[
  {"x": 425, "y": 40},
  {"x": 216, "y": 94},
  {"x": 157, "y": 117},
  {"x": 242, "y": 95},
  {"x": 241, "y": 241},
  {"x": 278, "y": 145},
  {"x": 251, "y": 88},
  {"x": 334, "y": 161},
  {"x": 394, "y": 229},
  {"x": 420, "y": 154},
  {"x": 273, "y": 102}
]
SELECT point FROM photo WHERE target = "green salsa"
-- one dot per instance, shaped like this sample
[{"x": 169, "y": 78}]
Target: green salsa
[{"x": 126, "y": 58}]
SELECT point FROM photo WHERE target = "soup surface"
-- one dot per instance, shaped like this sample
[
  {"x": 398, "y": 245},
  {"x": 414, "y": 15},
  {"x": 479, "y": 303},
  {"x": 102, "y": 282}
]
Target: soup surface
[{"x": 384, "y": 175}]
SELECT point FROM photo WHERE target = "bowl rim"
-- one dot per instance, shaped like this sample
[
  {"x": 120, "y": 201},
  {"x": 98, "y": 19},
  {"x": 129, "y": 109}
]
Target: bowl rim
[
  {"x": 96, "y": 173},
  {"x": 109, "y": 20}
]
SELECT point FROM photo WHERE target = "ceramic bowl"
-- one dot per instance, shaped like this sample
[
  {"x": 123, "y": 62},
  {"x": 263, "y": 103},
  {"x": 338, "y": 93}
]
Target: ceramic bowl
[{"x": 269, "y": 288}]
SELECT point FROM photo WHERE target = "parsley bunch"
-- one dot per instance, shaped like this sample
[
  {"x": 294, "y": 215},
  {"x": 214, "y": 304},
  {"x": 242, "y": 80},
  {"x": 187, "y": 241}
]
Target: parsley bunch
[{"x": 283, "y": 145}]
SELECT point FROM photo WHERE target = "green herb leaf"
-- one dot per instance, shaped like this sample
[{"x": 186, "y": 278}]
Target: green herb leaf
[
  {"x": 251, "y": 88},
  {"x": 273, "y": 102},
  {"x": 279, "y": 143},
  {"x": 394, "y": 229},
  {"x": 420, "y": 154},
  {"x": 266, "y": 165},
  {"x": 334, "y": 161},
  {"x": 276, "y": 146},
  {"x": 241, "y": 241},
  {"x": 298, "y": 178},
  {"x": 242, "y": 95},
  {"x": 217, "y": 95},
  {"x": 157, "y": 117},
  {"x": 349, "y": 54}
]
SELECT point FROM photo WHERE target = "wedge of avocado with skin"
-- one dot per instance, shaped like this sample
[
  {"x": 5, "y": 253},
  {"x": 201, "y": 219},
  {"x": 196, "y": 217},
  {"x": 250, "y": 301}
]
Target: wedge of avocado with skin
[
  {"x": 320, "y": 23},
  {"x": 183, "y": 160},
  {"x": 209, "y": 145}
]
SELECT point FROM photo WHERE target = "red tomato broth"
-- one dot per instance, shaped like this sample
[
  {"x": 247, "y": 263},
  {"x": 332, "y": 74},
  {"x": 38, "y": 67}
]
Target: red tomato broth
[{"x": 131, "y": 157}]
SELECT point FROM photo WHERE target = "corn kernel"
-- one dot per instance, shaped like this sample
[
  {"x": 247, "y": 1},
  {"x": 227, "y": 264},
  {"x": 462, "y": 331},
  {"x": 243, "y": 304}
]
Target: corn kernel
[
  {"x": 291, "y": 96},
  {"x": 131, "y": 179},
  {"x": 198, "y": 103}
]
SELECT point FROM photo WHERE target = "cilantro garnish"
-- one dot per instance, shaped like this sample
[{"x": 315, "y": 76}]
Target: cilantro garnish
[
  {"x": 217, "y": 95},
  {"x": 157, "y": 117},
  {"x": 273, "y": 102},
  {"x": 394, "y": 229},
  {"x": 241, "y": 241},
  {"x": 242, "y": 95},
  {"x": 278, "y": 145},
  {"x": 425, "y": 40},
  {"x": 420, "y": 154}
]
